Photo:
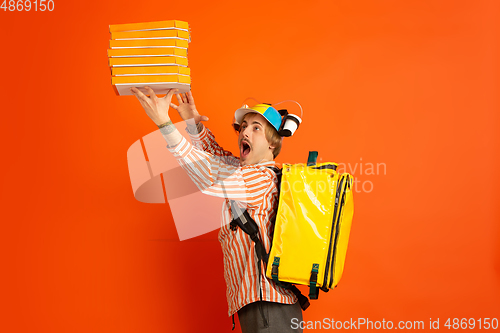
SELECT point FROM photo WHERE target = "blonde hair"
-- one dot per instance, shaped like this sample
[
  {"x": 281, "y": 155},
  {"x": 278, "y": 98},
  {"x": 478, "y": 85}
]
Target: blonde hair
[{"x": 272, "y": 136}]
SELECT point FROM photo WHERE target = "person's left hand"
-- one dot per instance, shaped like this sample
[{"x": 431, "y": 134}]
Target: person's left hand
[
  {"x": 156, "y": 108},
  {"x": 187, "y": 108}
]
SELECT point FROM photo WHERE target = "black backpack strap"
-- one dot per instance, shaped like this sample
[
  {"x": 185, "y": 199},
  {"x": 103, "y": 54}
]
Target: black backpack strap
[
  {"x": 243, "y": 220},
  {"x": 303, "y": 300}
]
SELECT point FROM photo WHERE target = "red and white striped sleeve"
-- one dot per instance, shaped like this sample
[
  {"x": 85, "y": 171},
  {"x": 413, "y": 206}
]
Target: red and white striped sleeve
[
  {"x": 214, "y": 177},
  {"x": 205, "y": 140}
]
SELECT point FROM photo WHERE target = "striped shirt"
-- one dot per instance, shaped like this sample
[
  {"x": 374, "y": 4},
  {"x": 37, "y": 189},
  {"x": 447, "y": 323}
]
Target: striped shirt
[{"x": 218, "y": 172}]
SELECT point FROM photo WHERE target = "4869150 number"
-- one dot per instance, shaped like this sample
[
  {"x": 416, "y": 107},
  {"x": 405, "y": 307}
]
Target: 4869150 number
[
  {"x": 470, "y": 323},
  {"x": 27, "y": 5}
]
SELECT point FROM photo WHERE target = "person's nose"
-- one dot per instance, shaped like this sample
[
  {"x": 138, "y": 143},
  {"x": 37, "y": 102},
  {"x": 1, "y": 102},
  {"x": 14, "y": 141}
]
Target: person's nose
[{"x": 245, "y": 132}]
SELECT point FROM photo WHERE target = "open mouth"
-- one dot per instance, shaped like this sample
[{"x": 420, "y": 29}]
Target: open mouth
[{"x": 245, "y": 149}]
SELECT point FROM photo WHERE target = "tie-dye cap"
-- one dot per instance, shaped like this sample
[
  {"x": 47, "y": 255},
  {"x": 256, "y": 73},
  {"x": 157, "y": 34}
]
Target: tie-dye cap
[{"x": 266, "y": 110}]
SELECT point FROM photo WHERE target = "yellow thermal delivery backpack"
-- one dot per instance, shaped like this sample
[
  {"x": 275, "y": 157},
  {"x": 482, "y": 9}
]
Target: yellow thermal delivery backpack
[{"x": 312, "y": 226}]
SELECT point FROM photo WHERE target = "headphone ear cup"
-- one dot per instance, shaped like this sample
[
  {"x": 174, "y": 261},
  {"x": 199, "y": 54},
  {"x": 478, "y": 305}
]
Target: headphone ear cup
[
  {"x": 283, "y": 112},
  {"x": 283, "y": 120},
  {"x": 285, "y": 133},
  {"x": 236, "y": 126},
  {"x": 290, "y": 125}
]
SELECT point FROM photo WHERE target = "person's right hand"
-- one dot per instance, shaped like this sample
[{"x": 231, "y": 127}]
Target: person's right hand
[{"x": 186, "y": 108}]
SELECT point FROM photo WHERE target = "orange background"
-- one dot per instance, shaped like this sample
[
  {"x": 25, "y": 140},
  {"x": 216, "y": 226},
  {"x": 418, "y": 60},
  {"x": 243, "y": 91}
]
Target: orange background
[{"x": 411, "y": 84}]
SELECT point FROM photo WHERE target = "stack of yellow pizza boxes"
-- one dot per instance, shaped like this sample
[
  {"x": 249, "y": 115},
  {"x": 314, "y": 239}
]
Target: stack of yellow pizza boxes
[{"x": 150, "y": 54}]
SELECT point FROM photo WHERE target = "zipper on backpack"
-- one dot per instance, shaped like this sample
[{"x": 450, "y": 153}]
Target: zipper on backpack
[
  {"x": 337, "y": 232},
  {"x": 327, "y": 266}
]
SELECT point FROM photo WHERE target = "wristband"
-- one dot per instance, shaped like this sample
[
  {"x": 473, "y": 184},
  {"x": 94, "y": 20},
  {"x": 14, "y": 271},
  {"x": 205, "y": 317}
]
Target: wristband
[{"x": 165, "y": 124}]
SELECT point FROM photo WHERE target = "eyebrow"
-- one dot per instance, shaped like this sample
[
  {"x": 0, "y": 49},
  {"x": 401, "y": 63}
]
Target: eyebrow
[{"x": 254, "y": 122}]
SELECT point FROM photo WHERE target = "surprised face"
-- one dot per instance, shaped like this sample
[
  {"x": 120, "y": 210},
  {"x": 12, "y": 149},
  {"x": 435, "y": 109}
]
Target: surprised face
[{"x": 252, "y": 141}]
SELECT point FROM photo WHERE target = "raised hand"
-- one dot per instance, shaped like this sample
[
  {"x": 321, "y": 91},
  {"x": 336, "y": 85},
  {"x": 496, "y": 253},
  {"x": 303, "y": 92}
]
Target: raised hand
[
  {"x": 186, "y": 108},
  {"x": 156, "y": 108}
]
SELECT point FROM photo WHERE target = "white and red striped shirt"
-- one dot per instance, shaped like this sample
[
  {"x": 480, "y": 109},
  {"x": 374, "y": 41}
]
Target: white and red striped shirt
[{"x": 218, "y": 172}]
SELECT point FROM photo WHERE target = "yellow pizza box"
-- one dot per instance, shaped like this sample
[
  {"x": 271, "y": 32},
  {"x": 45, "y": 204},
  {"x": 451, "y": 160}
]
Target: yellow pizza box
[
  {"x": 148, "y": 52},
  {"x": 144, "y": 43},
  {"x": 170, "y": 24},
  {"x": 150, "y": 79},
  {"x": 147, "y": 61},
  {"x": 155, "y": 34},
  {"x": 159, "y": 83},
  {"x": 150, "y": 70}
]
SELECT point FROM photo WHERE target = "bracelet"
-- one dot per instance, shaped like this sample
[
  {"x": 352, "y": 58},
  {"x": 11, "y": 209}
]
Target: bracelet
[{"x": 165, "y": 124}]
